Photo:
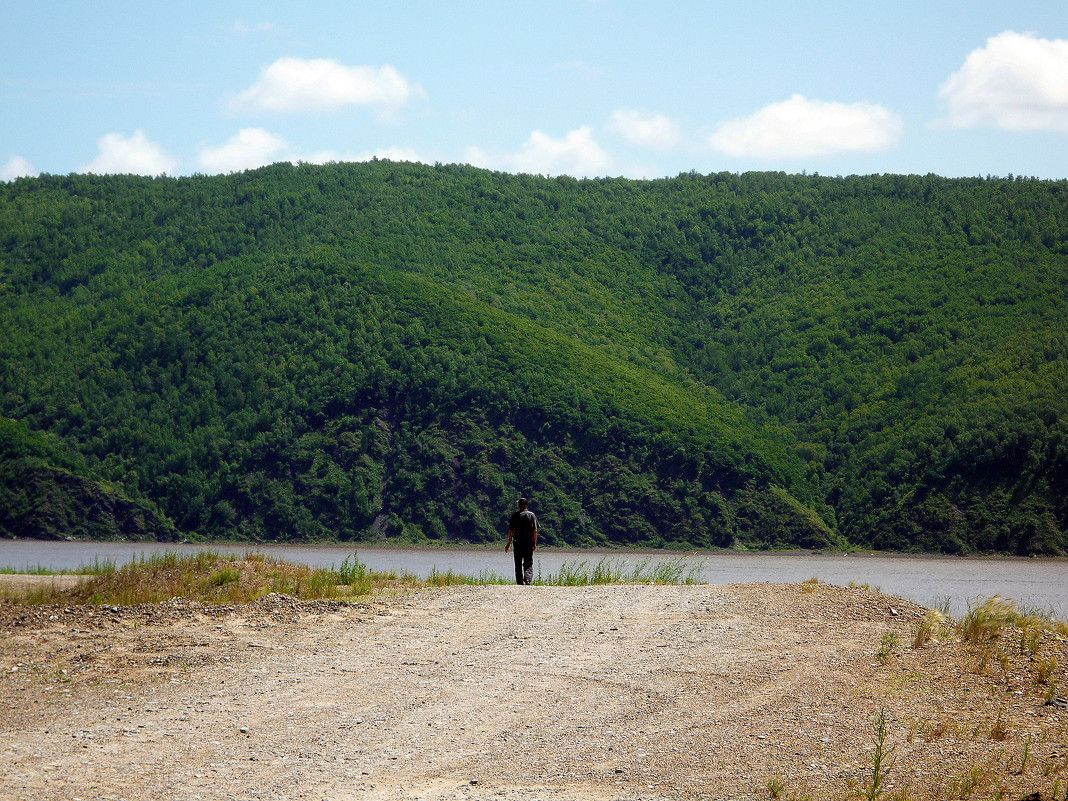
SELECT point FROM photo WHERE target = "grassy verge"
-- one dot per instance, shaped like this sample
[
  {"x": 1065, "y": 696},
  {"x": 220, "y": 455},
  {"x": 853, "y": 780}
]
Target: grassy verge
[
  {"x": 213, "y": 578},
  {"x": 582, "y": 574},
  {"x": 97, "y": 567}
]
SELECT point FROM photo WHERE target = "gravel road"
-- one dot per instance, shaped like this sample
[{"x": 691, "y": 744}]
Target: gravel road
[{"x": 516, "y": 693}]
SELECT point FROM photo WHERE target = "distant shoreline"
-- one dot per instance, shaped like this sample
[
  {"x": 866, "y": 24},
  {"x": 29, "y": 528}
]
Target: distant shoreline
[{"x": 622, "y": 550}]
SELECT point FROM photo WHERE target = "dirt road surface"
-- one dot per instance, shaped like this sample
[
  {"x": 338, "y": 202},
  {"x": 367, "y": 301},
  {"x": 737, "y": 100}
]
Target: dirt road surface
[{"x": 518, "y": 693}]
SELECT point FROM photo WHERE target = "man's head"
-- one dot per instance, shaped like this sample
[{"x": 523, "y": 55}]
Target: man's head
[{"x": 523, "y": 503}]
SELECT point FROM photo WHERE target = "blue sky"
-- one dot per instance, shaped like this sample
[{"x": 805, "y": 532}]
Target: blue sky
[{"x": 577, "y": 87}]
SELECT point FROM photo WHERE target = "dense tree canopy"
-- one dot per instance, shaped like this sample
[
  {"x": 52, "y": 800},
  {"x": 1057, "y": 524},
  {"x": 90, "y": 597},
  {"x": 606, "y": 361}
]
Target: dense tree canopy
[{"x": 357, "y": 351}]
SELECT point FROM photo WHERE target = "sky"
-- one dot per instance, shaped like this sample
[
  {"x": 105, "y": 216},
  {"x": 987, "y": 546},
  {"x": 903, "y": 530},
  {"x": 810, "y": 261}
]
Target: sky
[{"x": 556, "y": 87}]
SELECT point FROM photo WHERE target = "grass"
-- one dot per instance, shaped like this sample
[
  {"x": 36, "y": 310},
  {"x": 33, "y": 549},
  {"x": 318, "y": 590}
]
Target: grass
[
  {"x": 886, "y": 647},
  {"x": 213, "y": 578},
  {"x": 999, "y": 731},
  {"x": 988, "y": 628},
  {"x": 582, "y": 574},
  {"x": 776, "y": 786},
  {"x": 930, "y": 625},
  {"x": 1025, "y": 758},
  {"x": 882, "y": 760},
  {"x": 1044, "y": 669},
  {"x": 450, "y": 578},
  {"x": 96, "y": 568},
  {"x": 971, "y": 781},
  {"x": 988, "y": 620}
]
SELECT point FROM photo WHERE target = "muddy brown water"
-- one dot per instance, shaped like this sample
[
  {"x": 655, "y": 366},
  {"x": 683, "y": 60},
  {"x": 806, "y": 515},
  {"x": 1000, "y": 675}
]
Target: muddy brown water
[{"x": 929, "y": 580}]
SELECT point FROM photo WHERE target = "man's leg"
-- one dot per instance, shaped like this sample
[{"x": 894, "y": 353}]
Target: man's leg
[
  {"x": 517, "y": 554},
  {"x": 528, "y": 566}
]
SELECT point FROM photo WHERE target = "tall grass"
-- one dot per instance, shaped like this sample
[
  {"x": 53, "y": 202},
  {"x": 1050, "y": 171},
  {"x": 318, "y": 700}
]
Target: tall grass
[
  {"x": 213, "y": 578},
  {"x": 581, "y": 574},
  {"x": 450, "y": 578},
  {"x": 98, "y": 567},
  {"x": 989, "y": 619}
]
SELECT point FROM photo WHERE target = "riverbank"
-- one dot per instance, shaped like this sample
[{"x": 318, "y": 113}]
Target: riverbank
[
  {"x": 730, "y": 691},
  {"x": 928, "y": 580}
]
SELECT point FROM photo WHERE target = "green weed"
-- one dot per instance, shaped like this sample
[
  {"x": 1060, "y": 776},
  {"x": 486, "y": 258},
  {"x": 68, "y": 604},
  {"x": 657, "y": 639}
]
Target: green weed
[
  {"x": 1025, "y": 757},
  {"x": 882, "y": 759},
  {"x": 886, "y": 647},
  {"x": 969, "y": 782},
  {"x": 776, "y": 786}
]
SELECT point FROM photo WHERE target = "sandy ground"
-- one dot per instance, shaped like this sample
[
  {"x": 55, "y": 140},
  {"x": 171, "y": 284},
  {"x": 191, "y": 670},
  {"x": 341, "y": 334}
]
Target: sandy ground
[{"x": 616, "y": 692}]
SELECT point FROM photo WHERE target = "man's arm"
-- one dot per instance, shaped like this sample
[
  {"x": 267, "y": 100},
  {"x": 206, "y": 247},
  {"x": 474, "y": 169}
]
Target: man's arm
[{"x": 509, "y": 545}]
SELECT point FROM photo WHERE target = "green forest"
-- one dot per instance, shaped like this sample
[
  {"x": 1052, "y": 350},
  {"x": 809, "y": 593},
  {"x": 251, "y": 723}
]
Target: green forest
[{"x": 395, "y": 352}]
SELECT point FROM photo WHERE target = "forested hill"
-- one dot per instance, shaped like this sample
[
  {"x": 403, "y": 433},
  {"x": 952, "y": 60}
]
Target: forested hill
[{"x": 359, "y": 351}]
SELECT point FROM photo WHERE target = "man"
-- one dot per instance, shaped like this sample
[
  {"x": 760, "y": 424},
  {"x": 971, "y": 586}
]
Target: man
[{"x": 523, "y": 531}]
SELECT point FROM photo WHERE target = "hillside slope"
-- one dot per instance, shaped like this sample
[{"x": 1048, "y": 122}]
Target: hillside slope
[
  {"x": 358, "y": 350},
  {"x": 44, "y": 495}
]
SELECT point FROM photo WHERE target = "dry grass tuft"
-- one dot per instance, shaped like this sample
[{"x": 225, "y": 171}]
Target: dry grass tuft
[
  {"x": 1044, "y": 669},
  {"x": 987, "y": 620},
  {"x": 930, "y": 625},
  {"x": 999, "y": 731},
  {"x": 991, "y": 619}
]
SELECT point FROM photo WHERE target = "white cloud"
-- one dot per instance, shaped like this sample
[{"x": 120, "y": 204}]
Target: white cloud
[
  {"x": 800, "y": 127},
  {"x": 1016, "y": 82},
  {"x": 645, "y": 128},
  {"x": 577, "y": 154},
  {"x": 135, "y": 155},
  {"x": 297, "y": 84},
  {"x": 17, "y": 167},
  {"x": 247, "y": 149}
]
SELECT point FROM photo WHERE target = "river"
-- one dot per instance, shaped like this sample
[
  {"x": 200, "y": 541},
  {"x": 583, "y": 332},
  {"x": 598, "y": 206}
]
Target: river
[{"x": 1041, "y": 584}]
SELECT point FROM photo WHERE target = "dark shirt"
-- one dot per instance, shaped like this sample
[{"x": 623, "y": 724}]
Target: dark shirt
[{"x": 523, "y": 525}]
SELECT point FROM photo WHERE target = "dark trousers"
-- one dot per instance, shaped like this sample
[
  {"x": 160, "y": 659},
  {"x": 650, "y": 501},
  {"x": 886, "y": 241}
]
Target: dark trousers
[{"x": 524, "y": 562}]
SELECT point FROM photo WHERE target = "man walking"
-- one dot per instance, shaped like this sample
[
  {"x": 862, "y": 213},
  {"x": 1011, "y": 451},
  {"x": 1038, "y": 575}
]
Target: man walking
[{"x": 523, "y": 533}]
